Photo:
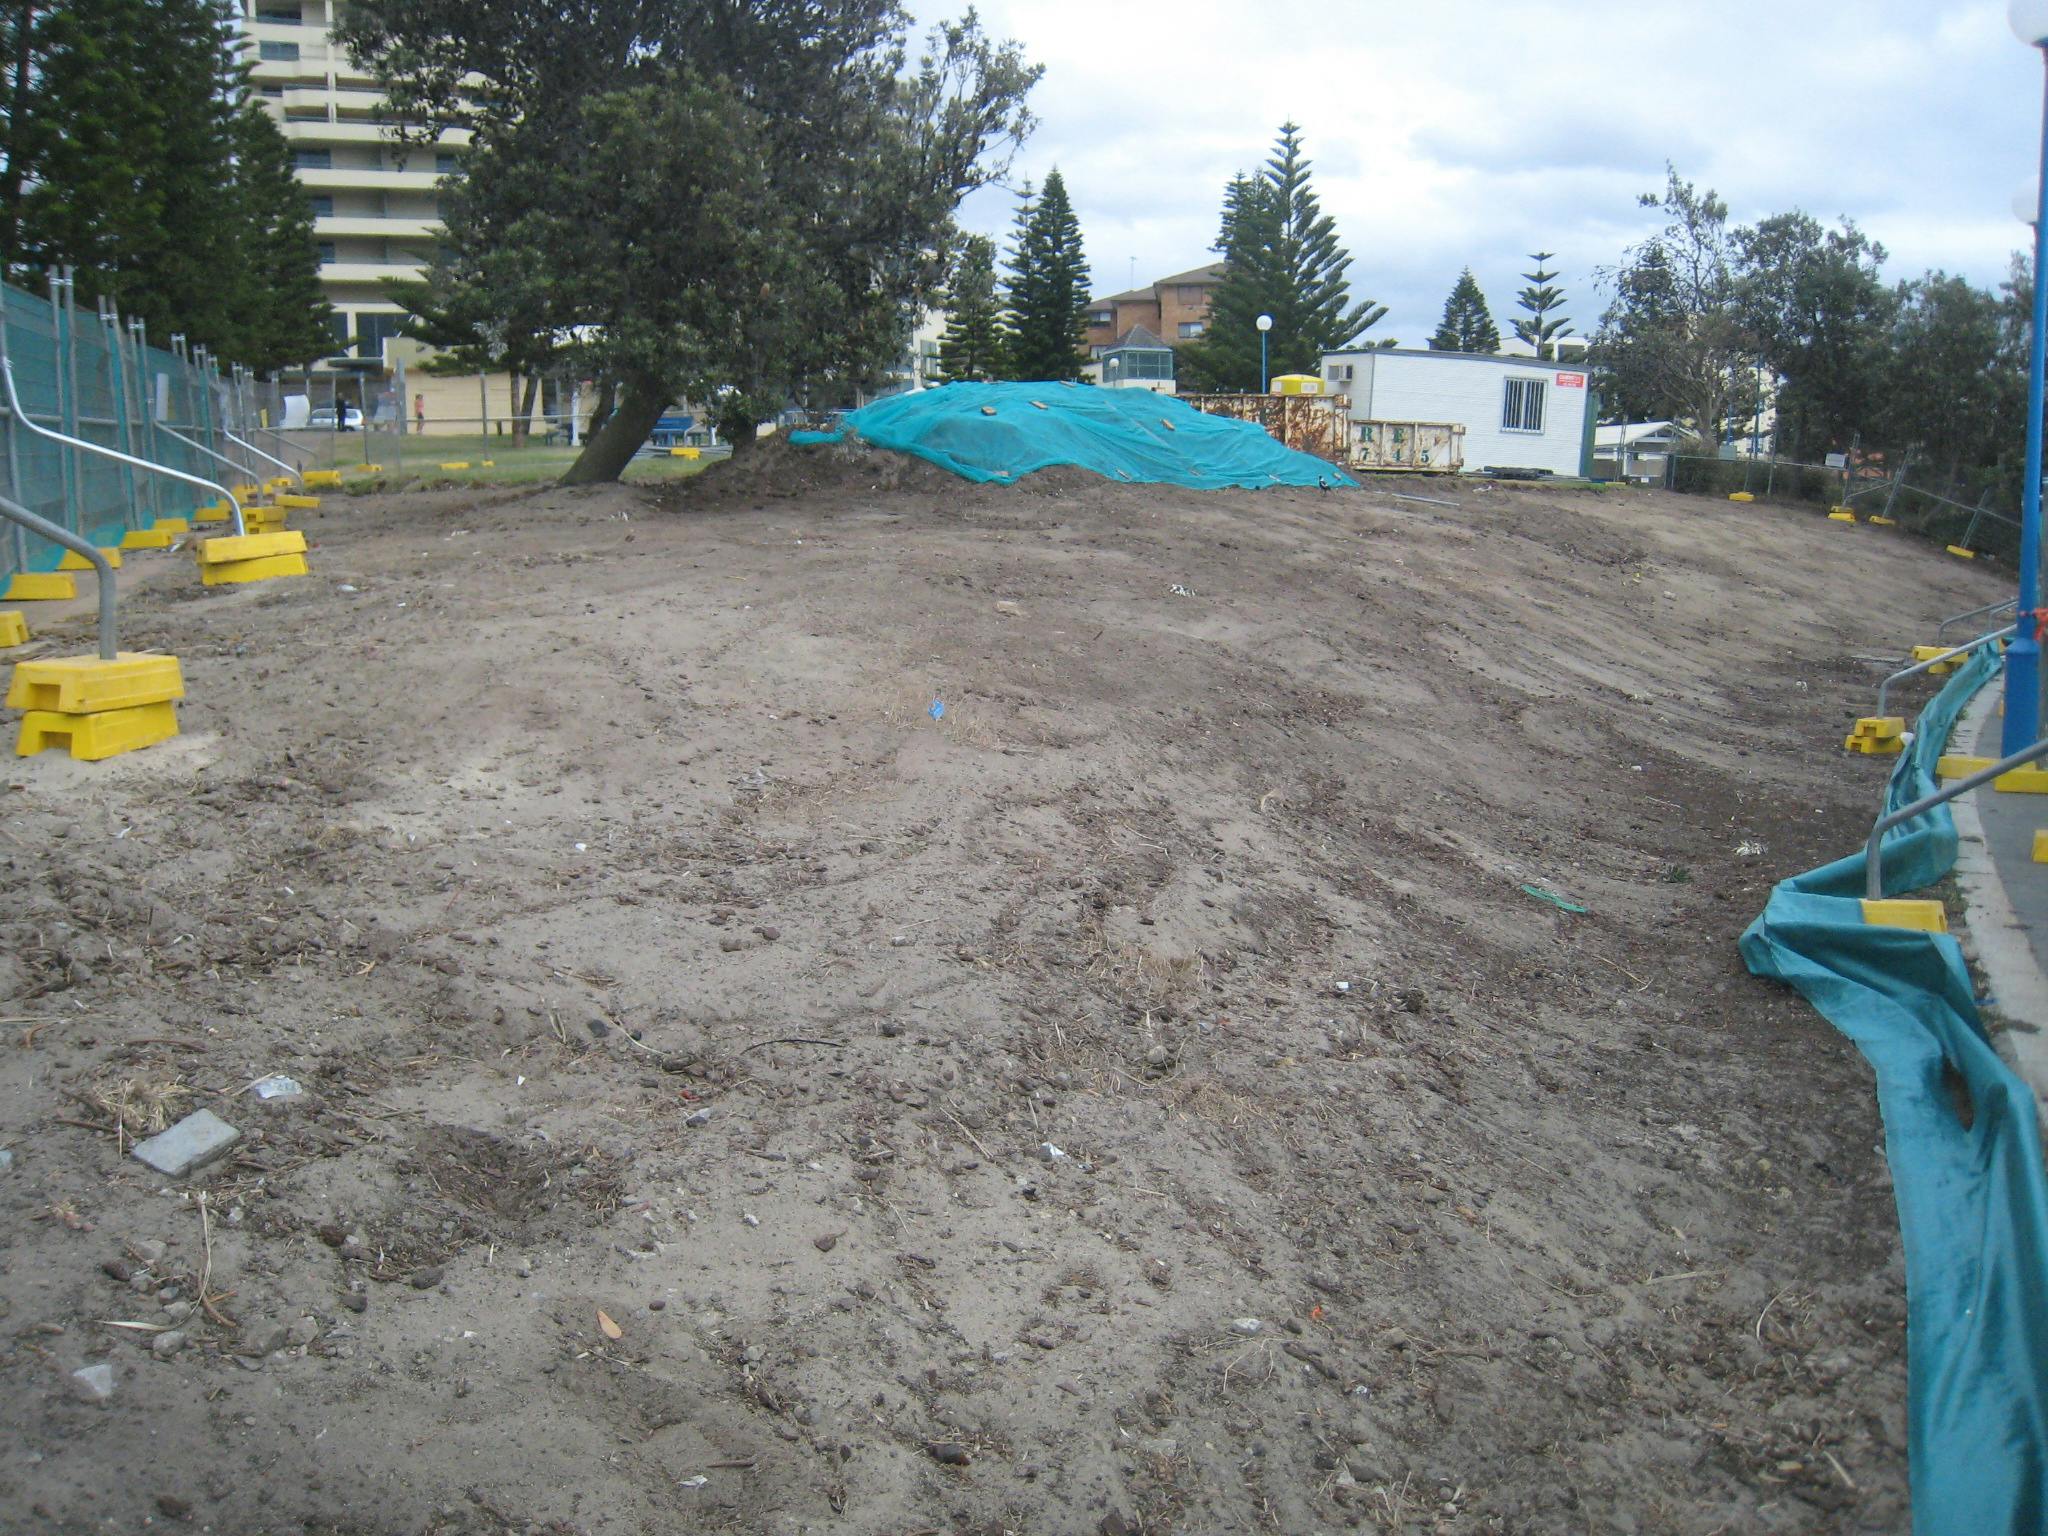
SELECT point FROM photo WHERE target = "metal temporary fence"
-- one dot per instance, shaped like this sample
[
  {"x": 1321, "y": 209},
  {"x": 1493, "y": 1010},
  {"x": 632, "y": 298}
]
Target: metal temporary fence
[{"x": 94, "y": 375}]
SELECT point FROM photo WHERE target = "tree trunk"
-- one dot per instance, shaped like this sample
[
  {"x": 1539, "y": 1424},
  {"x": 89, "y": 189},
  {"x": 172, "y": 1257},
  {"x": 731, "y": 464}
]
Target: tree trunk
[
  {"x": 743, "y": 435},
  {"x": 611, "y": 448},
  {"x": 601, "y": 412},
  {"x": 522, "y": 420}
]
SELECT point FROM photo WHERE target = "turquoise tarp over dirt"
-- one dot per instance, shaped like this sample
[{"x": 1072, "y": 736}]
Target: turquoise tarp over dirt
[
  {"x": 1002, "y": 432},
  {"x": 1973, "y": 1203}
]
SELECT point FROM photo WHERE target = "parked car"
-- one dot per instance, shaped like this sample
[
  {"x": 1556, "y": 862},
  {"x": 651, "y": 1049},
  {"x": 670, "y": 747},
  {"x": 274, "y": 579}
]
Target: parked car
[{"x": 323, "y": 419}]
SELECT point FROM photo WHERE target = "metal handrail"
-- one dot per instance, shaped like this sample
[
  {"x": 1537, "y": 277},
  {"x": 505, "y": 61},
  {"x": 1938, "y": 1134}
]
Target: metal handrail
[
  {"x": 1964, "y": 649},
  {"x": 56, "y": 533},
  {"x": 240, "y": 469},
  {"x": 1975, "y": 613},
  {"x": 14, "y": 400},
  {"x": 1873, "y": 864},
  {"x": 241, "y": 443}
]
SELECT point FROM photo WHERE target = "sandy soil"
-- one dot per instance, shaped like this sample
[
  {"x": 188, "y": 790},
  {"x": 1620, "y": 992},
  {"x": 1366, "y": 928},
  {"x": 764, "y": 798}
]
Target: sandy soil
[{"x": 1142, "y": 1099}]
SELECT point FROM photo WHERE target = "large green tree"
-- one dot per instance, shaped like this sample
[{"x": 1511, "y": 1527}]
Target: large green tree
[
  {"x": 1282, "y": 258},
  {"x": 1811, "y": 302},
  {"x": 971, "y": 348},
  {"x": 1047, "y": 287},
  {"x": 1954, "y": 381},
  {"x": 132, "y": 150},
  {"x": 1467, "y": 325},
  {"x": 740, "y": 204},
  {"x": 1539, "y": 301}
]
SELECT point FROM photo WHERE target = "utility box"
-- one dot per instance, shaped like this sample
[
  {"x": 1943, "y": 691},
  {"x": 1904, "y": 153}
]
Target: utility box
[{"x": 1300, "y": 384}]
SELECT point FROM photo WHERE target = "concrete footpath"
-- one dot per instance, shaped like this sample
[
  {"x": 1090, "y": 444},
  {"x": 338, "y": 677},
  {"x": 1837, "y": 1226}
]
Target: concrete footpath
[{"x": 2005, "y": 895}]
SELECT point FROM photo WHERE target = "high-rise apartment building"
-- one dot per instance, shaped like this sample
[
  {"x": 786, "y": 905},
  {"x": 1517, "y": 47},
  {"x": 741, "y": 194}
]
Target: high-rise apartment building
[{"x": 374, "y": 211}]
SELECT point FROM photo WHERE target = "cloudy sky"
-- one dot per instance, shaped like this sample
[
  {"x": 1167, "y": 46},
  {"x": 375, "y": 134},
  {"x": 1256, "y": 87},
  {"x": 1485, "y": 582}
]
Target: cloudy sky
[{"x": 1456, "y": 132}]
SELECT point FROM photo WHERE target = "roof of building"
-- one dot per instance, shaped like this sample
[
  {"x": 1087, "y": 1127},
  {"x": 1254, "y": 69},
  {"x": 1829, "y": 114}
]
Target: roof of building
[
  {"x": 1137, "y": 339},
  {"x": 1636, "y": 432},
  {"x": 1462, "y": 357},
  {"x": 1208, "y": 276}
]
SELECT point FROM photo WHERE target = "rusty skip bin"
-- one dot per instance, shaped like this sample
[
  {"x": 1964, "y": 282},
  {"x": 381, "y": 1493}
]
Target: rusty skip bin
[{"x": 1322, "y": 425}]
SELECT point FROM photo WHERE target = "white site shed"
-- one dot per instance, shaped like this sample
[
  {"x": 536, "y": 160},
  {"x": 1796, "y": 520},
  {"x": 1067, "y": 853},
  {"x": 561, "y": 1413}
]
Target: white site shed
[{"x": 1517, "y": 412}]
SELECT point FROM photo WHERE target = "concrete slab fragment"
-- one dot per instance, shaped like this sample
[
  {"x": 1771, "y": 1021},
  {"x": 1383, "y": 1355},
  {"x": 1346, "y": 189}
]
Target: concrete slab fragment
[{"x": 192, "y": 1143}]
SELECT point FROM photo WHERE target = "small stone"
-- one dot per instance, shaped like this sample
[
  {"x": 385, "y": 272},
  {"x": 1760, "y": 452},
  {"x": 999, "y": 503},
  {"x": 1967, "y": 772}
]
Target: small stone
[
  {"x": 250, "y": 1362},
  {"x": 769, "y": 932},
  {"x": 1159, "y": 1056},
  {"x": 148, "y": 1252},
  {"x": 1048, "y": 1153},
  {"x": 948, "y": 1452},
  {"x": 6, "y": 1159},
  {"x": 659, "y": 1304},
  {"x": 1411, "y": 1000},
  {"x": 93, "y": 1383},
  {"x": 1247, "y": 1326},
  {"x": 118, "y": 1269},
  {"x": 751, "y": 1219},
  {"x": 699, "y": 1117},
  {"x": 732, "y": 943},
  {"x": 178, "y": 1311},
  {"x": 598, "y": 1029},
  {"x": 356, "y": 1301},
  {"x": 890, "y": 1029},
  {"x": 898, "y": 941},
  {"x": 193, "y": 1142},
  {"x": 171, "y": 1507},
  {"x": 261, "y": 1338},
  {"x": 168, "y": 1343},
  {"x": 826, "y": 1243},
  {"x": 303, "y": 1330},
  {"x": 426, "y": 1279}
]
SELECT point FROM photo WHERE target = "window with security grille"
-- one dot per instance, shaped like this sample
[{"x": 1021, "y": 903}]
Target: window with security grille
[{"x": 1522, "y": 408}]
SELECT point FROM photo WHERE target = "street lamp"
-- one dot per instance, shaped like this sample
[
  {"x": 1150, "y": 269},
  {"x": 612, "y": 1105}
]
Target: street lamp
[
  {"x": 2023, "y": 658},
  {"x": 1109, "y": 368},
  {"x": 1265, "y": 324}
]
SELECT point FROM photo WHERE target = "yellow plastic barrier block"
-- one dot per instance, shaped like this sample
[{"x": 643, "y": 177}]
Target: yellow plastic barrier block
[
  {"x": 146, "y": 538},
  {"x": 40, "y": 587},
  {"x": 1923, "y": 916},
  {"x": 263, "y": 569},
  {"x": 1841, "y": 517},
  {"x": 366, "y": 469},
  {"x": 90, "y": 685},
  {"x": 217, "y": 513},
  {"x": 280, "y": 483},
  {"x": 1956, "y": 765},
  {"x": 1879, "y": 520},
  {"x": 487, "y": 464},
  {"x": 13, "y": 629},
  {"x": 456, "y": 464},
  {"x": 2041, "y": 847},
  {"x": 686, "y": 453},
  {"x": 263, "y": 519},
  {"x": 224, "y": 549},
  {"x": 286, "y": 499},
  {"x": 74, "y": 561},
  {"x": 2023, "y": 781},
  {"x": 1961, "y": 553},
  {"x": 1877, "y": 735},
  {"x": 1838, "y": 507},
  {"x": 313, "y": 477},
  {"x": 172, "y": 525},
  {"x": 107, "y": 733},
  {"x": 1740, "y": 496}
]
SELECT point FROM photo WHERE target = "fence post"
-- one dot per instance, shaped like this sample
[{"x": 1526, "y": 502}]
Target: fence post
[
  {"x": 146, "y": 446},
  {"x": 14, "y": 485},
  {"x": 117, "y": 386},
  {"x": 1771, "y": 480},
  {"x": 65, "y": 458},
  {"x": 1977, "y": 516},
  {"x": 1898, "y": 480}
]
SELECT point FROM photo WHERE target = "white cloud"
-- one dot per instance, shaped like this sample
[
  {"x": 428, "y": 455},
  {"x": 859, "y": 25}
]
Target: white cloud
[{"x": 1474, "y": 131}]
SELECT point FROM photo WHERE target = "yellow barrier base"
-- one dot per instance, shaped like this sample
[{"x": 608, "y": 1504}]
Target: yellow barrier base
[
  {"x": 2023, "y": 781},
  {"x": 91, "y": 685},
  {"x": 234, "y": 571},
  {"x": 245, "y": 492},
  {"x": 1956, "y": 765},
  {"x": 1879, "y": 520},
  {"x": 263, "y": 519},
  {"x": 1877, "y": 735},
  {"x": 1961, "y": 553},
  {"x": 1923, "y": 916},
  {"x": 456, "y": 464},
  {"x": 40, "y": 587},
  {"x": 280, "y": 483},
  {"x": 313, "y": 477},
  {"x": 216, "y": 513},
  {"x": 1929, "y": 652},
  {"x": 172, "y": 525},
  {"x": 146, "y": 538},
  {"x": 686, "y": 453},
  {"x": 1740, "y": 496},
  {"x": 92, "y": 737},
  {"x": 252, "y": 557},
  {"x": 366, "y": 469},
  {"x": 74, "y": 561},
  {"x": 1841, "y": 517},
  {"x": 287, "y": 499},
  {"x": 2041, "y": 847},
  {"x": 13, "y": 629}
]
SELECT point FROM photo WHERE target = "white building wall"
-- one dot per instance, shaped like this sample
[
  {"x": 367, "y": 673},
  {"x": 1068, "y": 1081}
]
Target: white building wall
[{"x": 1472, "y": 391}]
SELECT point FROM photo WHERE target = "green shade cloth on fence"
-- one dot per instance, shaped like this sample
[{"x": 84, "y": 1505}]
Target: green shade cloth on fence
[
  {"x": 1972, "y": 1201},
  {"x": 1002, "y": 432}
]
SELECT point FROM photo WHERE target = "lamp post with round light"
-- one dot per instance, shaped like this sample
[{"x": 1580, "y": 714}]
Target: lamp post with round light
[
  {"x": 1265, "y": 324},
  {"x": 2023, "y": 657}
]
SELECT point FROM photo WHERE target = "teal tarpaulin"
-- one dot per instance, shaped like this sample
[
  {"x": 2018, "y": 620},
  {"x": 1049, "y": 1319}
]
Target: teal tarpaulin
[
  {"x": 1002, "y": 432},
  {"x": 1972, "y": 1200}
]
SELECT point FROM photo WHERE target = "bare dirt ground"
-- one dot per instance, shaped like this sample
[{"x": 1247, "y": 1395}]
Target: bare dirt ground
[{"x": 1142, "y": 1099}]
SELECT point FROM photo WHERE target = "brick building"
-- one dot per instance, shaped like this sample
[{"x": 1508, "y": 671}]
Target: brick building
[{"x": 1174, "y": 309}]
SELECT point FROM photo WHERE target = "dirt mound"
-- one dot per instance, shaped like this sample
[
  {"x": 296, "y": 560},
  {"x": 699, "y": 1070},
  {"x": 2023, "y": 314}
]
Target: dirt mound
[{"x": 916, "y": 1006}]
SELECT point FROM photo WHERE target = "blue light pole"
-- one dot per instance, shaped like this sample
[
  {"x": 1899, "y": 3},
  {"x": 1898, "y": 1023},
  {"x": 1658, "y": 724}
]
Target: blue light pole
[
  {"x": 2023, "y": 658},
  {"x": 1265, "y": 324}
]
